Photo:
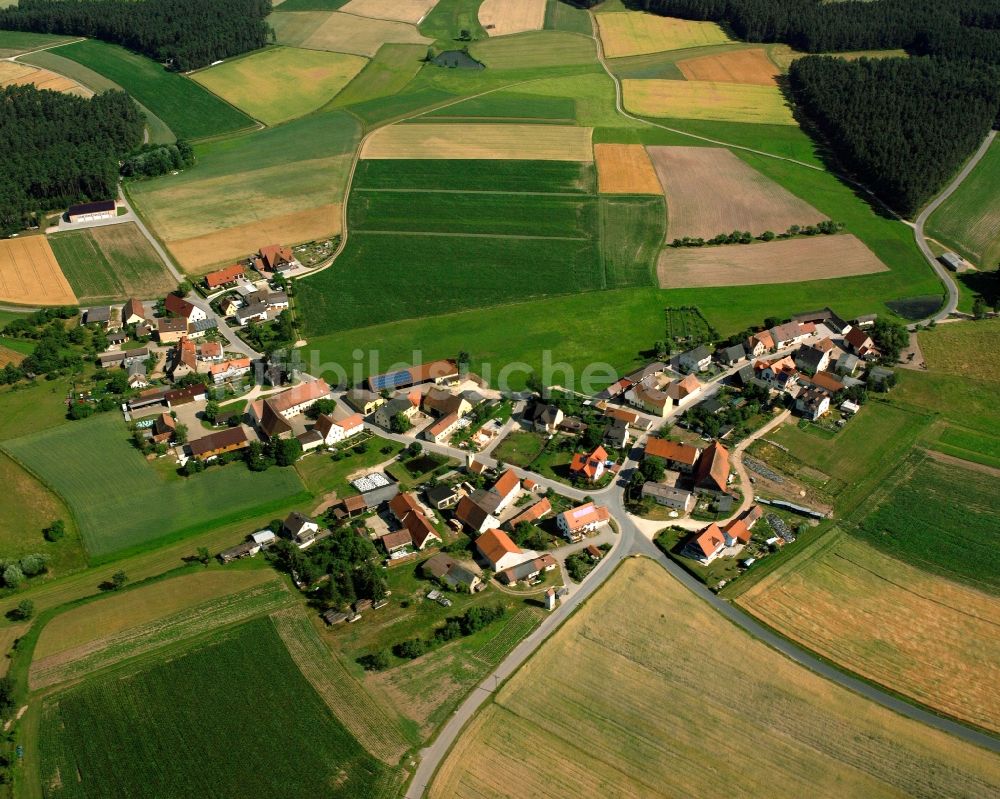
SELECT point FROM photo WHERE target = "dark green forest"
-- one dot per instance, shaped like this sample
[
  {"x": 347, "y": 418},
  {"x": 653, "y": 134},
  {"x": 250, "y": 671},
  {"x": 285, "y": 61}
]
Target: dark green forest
[
  {"x": 59, "y": 149},
  {"x": 901, "y": 126},
  {"x": 182, "y": 34},
  {"x": 919, "y": 119}
]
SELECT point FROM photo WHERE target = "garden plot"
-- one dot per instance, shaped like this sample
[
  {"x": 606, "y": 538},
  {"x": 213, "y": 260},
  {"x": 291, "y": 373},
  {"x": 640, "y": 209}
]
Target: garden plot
[
  {"x": 709, "y": 191},
  {"x": 788, "y": 261}
]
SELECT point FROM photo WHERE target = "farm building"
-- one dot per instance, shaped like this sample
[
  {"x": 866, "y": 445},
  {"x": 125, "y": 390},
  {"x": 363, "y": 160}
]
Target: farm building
[
  {"x": 442, "y": 428},
  {"x": 98, "y": 316},
  {"x": 363, "y": 401},
  {"x": 442, "y": 496},
  {"x": 92, "y": 212},
  {"x": 506, "y": 489},
  {"x": 184, "y": 396},
  {"x": 333, "y": 431},
  {"x": 434, "y": 372},
  {"x": 455, "y": 574},
  {"x": 215, "y": 444},
  {"x": 408, "y": 512},
  {"x": 133, "y": 312},
  {"x": 527, "y": 570},
  {"x": 712, "y": 472},
  {"x": 170, "y": 331},
  {"x": 669, "y": 496},
  {"x": 825, "y": 317},
  {"x": 498, "y": 551},
  {"x": 478, "y": 511},
  {"x": 953, "y": 261}
]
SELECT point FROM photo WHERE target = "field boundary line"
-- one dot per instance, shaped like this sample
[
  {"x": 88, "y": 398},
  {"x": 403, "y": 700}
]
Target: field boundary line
[{"x": 469, "y": 235}]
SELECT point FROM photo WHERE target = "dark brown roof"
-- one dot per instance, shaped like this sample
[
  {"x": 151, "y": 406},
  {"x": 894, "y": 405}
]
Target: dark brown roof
[
  {"x": 181, "y": 396},
  {"x": 224, "y": 439},
  {"x": 90, "y": 208},
  {"x": 273, "y": 423}
]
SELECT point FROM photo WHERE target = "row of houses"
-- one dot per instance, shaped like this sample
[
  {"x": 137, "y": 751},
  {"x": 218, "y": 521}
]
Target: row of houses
[
  {"x": 272, "y": 258},
  {"x": 701, "y": 471}
]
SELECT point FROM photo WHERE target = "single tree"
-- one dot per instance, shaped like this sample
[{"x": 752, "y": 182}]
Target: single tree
[{"x": 118, "y": 580}]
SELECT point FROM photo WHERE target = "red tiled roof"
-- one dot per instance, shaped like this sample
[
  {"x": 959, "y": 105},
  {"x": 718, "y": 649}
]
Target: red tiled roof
[
  {"x": 225, "y": 366},
  {"x": 738, "y": 529},
  {"x": 494, "y": 544},
  {"x": 709, "y": 540},
  {"x": 588, "y": 464},
  {"x": 672, "y": 451},
  {"x": 506, "y": 483},
  {"x": 532, "y": 513},
  {"x": 713, "y": 467},
  {"x": 827, "y": 381},
  {"x": 303, "y": 392},
  {"x": 583, "y": 515},
  {"x": 178, "y": 305},
  {"x": 223, "y": 276}
]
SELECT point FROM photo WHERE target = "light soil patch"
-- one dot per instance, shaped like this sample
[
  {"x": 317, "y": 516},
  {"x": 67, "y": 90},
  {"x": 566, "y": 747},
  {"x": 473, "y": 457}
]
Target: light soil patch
[
  {"x": 625, "y": 169},
  {"x": 629, "y": 33},
  {"x": 965, "y": 349},
  {"x": 412, "y": 11},
  {"x": 199, "y": 254},
  {"x": 624, "y": 699},
  {"x": 499, "y": 142},
  {"x": 787, "y": 261},
  {"x": 14, "y": 74},
  {"x": 119, "y": 612},
  {"x": 342, "y": 33},
  {"x": 30, "y": 274},
  {"x": 281, "y": 83},
  {"x": 690, "y": 99},
  {"x": 9, "y": 356},
  {"x": 709, "y": 191},
  {"x": 738, "y": 66},
  {"x": 502, "y": 17},
  {"x": 916, "y": 633}
]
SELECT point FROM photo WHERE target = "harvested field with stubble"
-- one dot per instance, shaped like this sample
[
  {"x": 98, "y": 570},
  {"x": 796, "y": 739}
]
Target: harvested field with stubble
[
  {"x": 15, "y": 74},
  {"x": 787, "y": 261},
  {"x": 710, "y": 190},
  {"x": 625, "y": 169},
  {"x": 502, "y": 17},
  {"x": 201, "y": 254},
  {"x": 411, "y": 11},
  {"x": 30, "y": 274},
  {"x": 707, "y": 100},
  {"x": 630, "y": 33},
  {"x": 626, "y": 694},
  {"x": 737, "y": 66},
  {"x": 923, "y": 636},
  {"x": 499, "y": 142},
  {"x": 341, "y": 33}
]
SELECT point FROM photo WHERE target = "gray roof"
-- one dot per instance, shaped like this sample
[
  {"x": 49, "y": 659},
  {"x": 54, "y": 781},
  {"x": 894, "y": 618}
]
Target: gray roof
[
  {"x": 256, "y": 309},
  {"x": 296, "y": 521},
  {"x": 441, "y": 493},
  {"x": 668, "y": 492},
  {"x": 699, "y": 353},
  {"x": 733, "y": 353},
  {"x": 137, "y": 368},
  {"x": 541, "y": 413},
  {"x": 101, "y": 314},
  {"x": 277, "y": 298},
  {"x": 808, "y": 358},
  {"x": 201, "y": 325}
]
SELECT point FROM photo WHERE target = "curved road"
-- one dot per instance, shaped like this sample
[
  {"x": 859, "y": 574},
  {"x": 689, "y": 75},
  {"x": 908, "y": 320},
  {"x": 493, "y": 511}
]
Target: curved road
[{"x": 951, "y": 303}]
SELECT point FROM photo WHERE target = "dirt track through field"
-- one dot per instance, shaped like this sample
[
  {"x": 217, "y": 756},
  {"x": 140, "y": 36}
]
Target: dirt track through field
[
  {"x": 30, "y": 274},
  {"x": 738, "y": 66},
  {"x": 710, "y": 190},
  {"x": 482, "y": 141},
  {"x": 787, "y": 261},
  {"x": 502, "y": 17},
  {"x": 625, "y": 169}
]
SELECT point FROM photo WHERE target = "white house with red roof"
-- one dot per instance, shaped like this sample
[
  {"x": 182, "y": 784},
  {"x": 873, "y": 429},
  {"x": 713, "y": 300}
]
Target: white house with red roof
[{"x": 334, "y": 431}]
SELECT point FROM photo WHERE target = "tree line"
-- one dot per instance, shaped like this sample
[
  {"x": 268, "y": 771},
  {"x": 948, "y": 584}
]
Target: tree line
[
  {"x": 956, "y": 28},
  {"x": 58, "y": 149},
  {"x": 902, "y": 126},
  {"x": 182, "y": 34}
]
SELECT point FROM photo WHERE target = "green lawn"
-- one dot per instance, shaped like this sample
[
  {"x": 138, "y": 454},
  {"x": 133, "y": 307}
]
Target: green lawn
[
  {"x": 237, "y": 704},
  {"x": 30, "y": 407},
  {"x": 939, "y": 517},
  {"x": 120, "y": 501},
  {"x": 969, "y": 220},
  {"x": 321, "y": 473},
  {"x": 110, "y": 263},
  {"x": 189, "y": 110}
]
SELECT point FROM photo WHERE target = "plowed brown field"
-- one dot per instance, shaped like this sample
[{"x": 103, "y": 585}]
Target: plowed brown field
[{"x": 738, "y": 66}]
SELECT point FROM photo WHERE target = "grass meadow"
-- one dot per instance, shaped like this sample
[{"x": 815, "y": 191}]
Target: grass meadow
[
  {"x": 666, "y": 649},
  {"x": 386, "y": 74},
  {"x": 189, "y": 110},
  {"x": 107, "y": 737},
  {"x": 969, "y": 220},
  {"x": 109, "y": 263},
  {"x": 15, "y": 42},
  {"x": 281, "y": 83},
  {"x": 120, "y": 501}
]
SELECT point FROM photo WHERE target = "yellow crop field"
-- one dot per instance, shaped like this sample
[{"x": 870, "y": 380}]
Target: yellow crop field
[
  {"x": 16, "y": 74},
  {"x": 497, "y": 142},
  {"x": 30, "y": 274},
  {"x": 281, "y": 83},
  {"x": 412, "y": 11},
  {"x": 630, "y": 33},
  {"x": 90, "y": 623},
  {"x": 201, "y": 254},
  {"x": 502, "y": 17},
  {"x": 710, "y": 191},
  {"x": 736, "y": 66},
  {"x": 341, "y": 33},
  {"x": 648, "y": 692},
  {"x": 921, "y": 635},
  {"x": 625, "y": 169},
  {"x": 702, "y": 99},
  {"x": 786, "y": 261}
]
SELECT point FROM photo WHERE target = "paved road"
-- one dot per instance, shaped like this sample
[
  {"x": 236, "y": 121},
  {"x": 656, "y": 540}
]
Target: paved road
[
  {"x": 951, "y": 302},
  {"x": 164, "y": 256}
]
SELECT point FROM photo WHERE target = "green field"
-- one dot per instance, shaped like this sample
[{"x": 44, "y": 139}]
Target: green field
[
  {"x": 120, "y": 501},
  {"x": 393, "y": 67},
  {"x": 939, "y": 517},
  {"x": 14, "y": 42},
  {"x": 237, "y": 704},
  {"x": 555, "y": 177},
  {"x": 281, "y": 83},
  {"x": 189, "y": 110},
  {"x": 632, "y": 231},
  {"x": 451, "y": 17},
  {"x": 159, "y": 132},
  {"x": 500, "y": 106},
  {"x": 562, "y": 17},
  {"x": 109, "y": 263},
  {"x": 969, "y": 220},
  {"x": 535, "y": 50}
]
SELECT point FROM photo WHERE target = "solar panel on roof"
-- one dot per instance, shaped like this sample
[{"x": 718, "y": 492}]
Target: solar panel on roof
[{"x": 391, "y": 380}]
